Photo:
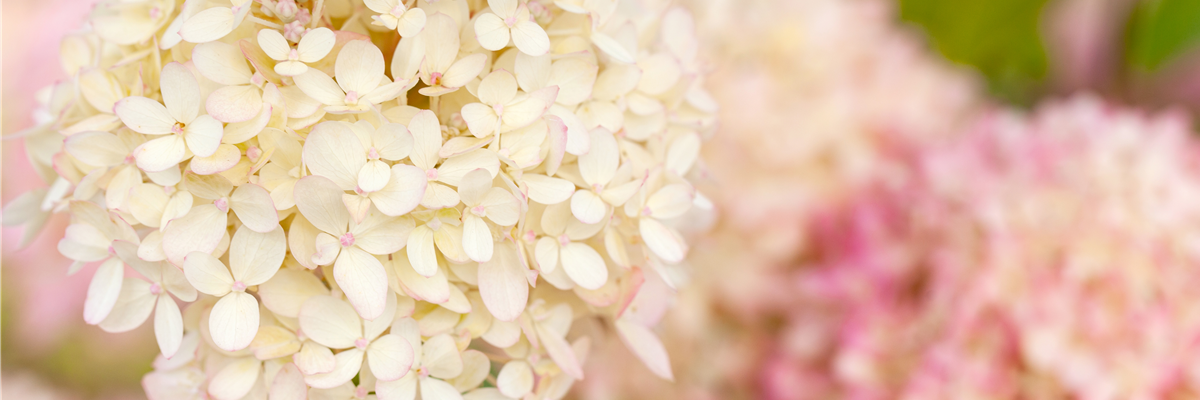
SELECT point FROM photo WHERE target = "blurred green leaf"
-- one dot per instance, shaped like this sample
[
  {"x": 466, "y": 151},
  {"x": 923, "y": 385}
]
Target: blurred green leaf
[
  {"x": 1000, "y": 38},
  {"x": 1162, "y": 30}
]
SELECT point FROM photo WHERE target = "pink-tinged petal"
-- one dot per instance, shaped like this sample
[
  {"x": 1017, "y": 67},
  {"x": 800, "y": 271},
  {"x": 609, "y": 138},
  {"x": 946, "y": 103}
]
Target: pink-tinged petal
[
  {"x": 502, "y": 284},
  {"x": 240, "y": 132},
  {"x": 663, "y": 241},
  {"x": 234, "y": 103},
  {"x": 234, "y": 321},
  {"x": 559, "y": 351},
  {"x": 200, "y": 230},
  {"x": 491, "y": 32},
  {"x": 144, "y": 115},
  {"x": 103, "y": 291},
  {"x": 225, "y": 158},
  {"x": 584, "y": 265},
  {"x": 646, "y": 345},
  {"x": 161, "y": 153},
  {"x": 362, "y": 278},
  {"x": 236, "y": 379}
]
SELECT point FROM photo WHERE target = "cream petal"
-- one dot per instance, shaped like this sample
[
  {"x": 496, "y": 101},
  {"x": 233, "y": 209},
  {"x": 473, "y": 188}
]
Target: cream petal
[
  {"x": 254, "y": 257},
  {"x": 208, "y": 25},
  {"x": 273, "y": 43},
  {"x": 491, "y": 32},
  {"x": 480, "y": 119},
  {"x": 200, "y": 230},
  {"x": 436, "y": 389},
  {"x": 427, "y": 139},
  {"x": 223, "y": 159},
  {"x": 347, "y": 366},
  {"x": 362, "y": 278},
  {"x": 288, "y": 384},
  {"x": 329, "y": 321},
  {"x": 434, "y": 288},
  {"x": 373, "y": 176},
  {"x": 359, "y": 67},
  {"x": 598, "y": 166},
  {"x": 588, "y": 207},
  {"x": 646, "y": 345},
  {"x": 404, "y": 388},
  {"x": 97, "y": 148},
  {"x": 515, "y": 380},
  {"x": 314, "y": 359},
  {"x": 316, "y": 44},
  {"x": 144, "y": 115},
  {"x": 253, "y": 206},
  {"x": 333, "y": 151},
  {"x": 502, "y": 207},
  {"x": 234, "y": 103},
  {"x": 584, "y": 265},
  {"x": 168, "y": 325},
  {"x": 421, "y": 251},
  {"x": 180, "y": 92},
  {"x": 207, "y": 274},
  {"x": 663, "y": 241},
  {"x": 103, "y": 291},
  {"x": 671, "y": 201},
  {"x": 390, "y": 357},
  {"x": 133, "y": 306},
  {"x": 285, "y": 292},
  {"x": 234, "y": 321},
  {"x": 320, "y": 201},
  {"x": 502, "y": 284},
  {"x": 547, "y": 190},
  {"x": 320, "y": 87},
  {"x": 411, "y": 23},
  {"x": 464, "y": 70},
  {"x": 477, "y": 238},
  {"x": 530, "y": 38},
  {"x": 559, "y": 351},
  {"x": 453, "y": 169},
  {"x": 221, "y": 63},
  {"x": 236, "y": 379}
]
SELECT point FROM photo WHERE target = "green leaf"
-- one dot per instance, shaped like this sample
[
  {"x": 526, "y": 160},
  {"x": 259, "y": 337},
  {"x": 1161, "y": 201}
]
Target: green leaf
[{"x": 1161, "y": 31}]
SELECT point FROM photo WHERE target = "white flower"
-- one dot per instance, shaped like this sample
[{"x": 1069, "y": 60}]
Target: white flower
[
  {"x": 497, "y": 205},
  {"x": 501, "y": 107},
  {"x": 353, "y": 157},
  {"x": 241, "y": 97},
  {"x": 334, "y": 324},
  {"x": 442, "y": 70},
  {"x": 139, "y": 297},
  {"x": 253, "y": 259},
  {"x": 292, "y": 61},
  {"x": 511, "y": 19},
  {"x": 598, "y": 168},
  {"x": 433, "y": 362},
  {"x": 393, "y": 15},
  {"x": 360, "y": 81},
  {"x": 186, "y": 130}
]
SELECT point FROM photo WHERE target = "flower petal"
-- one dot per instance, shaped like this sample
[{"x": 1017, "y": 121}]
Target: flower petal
[
  {"x": 236, "y": 379},
  {"x": 403, "y": 192},
  {"x": 491, "y": 32},
  {"x": 320, "y": 87},
  {"x": 200, "y": 230},
  {"x": 663, "y": 241},
  {"x": 320, "y": 201},
  {"x": 207, "y": 274},
  {"x": 208, "y": 25},
  {"x": 234, "y": 103},
  {"x": 333, "y": 151},
  {"x": 390, "y": 357},
  {"x": 588, "y": 207},
  {"x": 547, "y": 190},
  {"x": 515, "y": 380},
  {"x": 362, "y": 278},
  {"x": 254, "y": 257},
  {"x": 314, "y": 359},
  {"x": 203, "y": 135},
  {"x": 502, "y": 284},
  {"x": 180, "y": 92},
  {"x": 168, "y": 326},
  {"x": 598, "y": 166},
  {"x": 477, "y": 238},
  {"x": 144, "y": 115},
  {"x": 646, "y": 345},
  {"x": 285, "y": 292},
  {"x": 359, "y": 67},
  {"x": 530, "y": 38},
  {"x": 434, "y": 288},
  {"x": 253, "y": 206},
  {"x": 162, "y": 153},
  {"x": 316, "y": 44},
  {"x": 584, "y": 265},
  {"x": 347, "y": 366},
  {"x": 234, "y": 321},
  {"x": 133, "y": 307},
  {"x": 480, "y": 119},
  {"x": 103, "y": 291},
  {"x": 221, "y": 63}
]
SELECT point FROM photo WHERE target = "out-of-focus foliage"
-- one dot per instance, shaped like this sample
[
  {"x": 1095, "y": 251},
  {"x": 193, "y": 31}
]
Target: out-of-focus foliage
[
  {"x": 1161, "y": 30},
  {"x": 1000, "y": 38}
]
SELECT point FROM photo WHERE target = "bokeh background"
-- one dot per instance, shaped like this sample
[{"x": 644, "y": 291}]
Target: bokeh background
[{"x": 916, "y": 199}]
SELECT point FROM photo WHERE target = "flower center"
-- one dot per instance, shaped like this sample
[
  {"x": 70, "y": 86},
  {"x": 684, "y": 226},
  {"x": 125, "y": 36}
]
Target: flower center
[
  {"x": 238, "y": 286},
  {"x": 156, "y": 289},
  {"x": 398, "y": 10},
  {"x": 155, "y": 13},
  {"x": 347, "y": 239},
  {"x": 351, "y": 98},
  {"x": 646, "y": 211},
  {"x": 177, "y": 128},
  {"x": 529, "y": 236},
  {"x": 372, "y": 154},
  {"x": 510, "y": 21},
  {"x": 222, "y": 204},
  {"x": 360, "y": 392},
  {"x": 360, "y": 343},
  {"x": 598, "y": 188},
  {"x": 293, "y": 31},
  {"x": 434, "y": 224},
  {"x": 478, "y": 210},
  {"x": 253, "y": 153},
  {"x": 499, "y": 109},
  {"x": 563, "y": 240},
  {"x": 435, "y": 79},
  {"x": 422, "y": 372},
  {"x": 431, "y": 174},
  {"x": 293, "y": 55},
  {"x": 129, "y": 159}
]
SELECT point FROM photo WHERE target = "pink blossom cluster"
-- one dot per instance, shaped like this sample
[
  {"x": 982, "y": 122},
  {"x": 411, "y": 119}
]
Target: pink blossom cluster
[{"x": 1044, "y": 256}]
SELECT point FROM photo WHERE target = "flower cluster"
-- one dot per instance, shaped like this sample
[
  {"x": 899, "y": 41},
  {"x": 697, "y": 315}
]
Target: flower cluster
[
  {"x": 1048, "y": 256},
  {"x": 372, "y": 198}
]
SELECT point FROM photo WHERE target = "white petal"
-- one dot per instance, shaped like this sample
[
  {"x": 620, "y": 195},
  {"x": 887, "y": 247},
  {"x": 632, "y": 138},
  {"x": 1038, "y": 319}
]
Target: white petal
[
  {"x": 530, "y": 38},
  {"x": 502, "y": 207},
  {"x": 234, "y": 321},
  {"x": 288, "y": 384},
  {"x": 168, "y": 326},
  {"x": 236, "y": 379},
  {"x": 208, "y": 25},
  {"x": 83, "y": 242},
  {"x": 598, "y": 166},
  {"x": 285, "y": 292},
  {"x": 314, "y": 359},
  {"x": 330, "y": 322},
  {"x": 477, "y": 238},
  {"x": 133, "y": 306},
  {"x": 180, "y": 92},
  {"x": 502, "y": 284},
  {"x": 411, "y": 22},
  {"x": 434, "y": 289},
  {"x": 421, "y": 252},
  {"x": 546, "y": 190},
  {"x": 207, "y": 274},
  {"x": 441, "y": 357},
  {"x": 253, "y": 206},
  {"x": 515, "y": 380},
  {"x": 546, "y": 254},
  {"x": 96, "y": 148},
  {"x": 474, "y": 186},
  {"x": 362, "y": 278},
  {"x": 316, "y": 44},
  {"x": 575, "y": 79},
  {"x": 499, "y": 87},
  {"x": 373, "y": 176},
  {"x": 203, "y": 135},
  {"x": 273, "y": 43},
  {"x": 584, "y": 265},
  {"x": 464, "y": 70},
  {"x": 333, "y": 151},
  {"x": 144, "y": 115},
  {"x": 221, "y": 63},
  {"x": 664, "y": 242},
  {"x": 491, "y": 32},
  {"x": 254, "y": 257},
  {"x": 223, "y": 159},
  {"x": 234, "y": 103},
  {"x": 502, "y": 334},
  {"x": 436, "y": 389},
  {"x": 403, "y": 192},
  {"x": 646, "y": 345},
  {"x": 480, "y": 119},
  {"x": 320, "y": 87},
  {"x": 452, "y": 170},
  {"x": 359, "y": 67},
  {"x": 103, "y": 291},
  {"x": 348, "y": 364},
  {"x": 400, "y": 389},
  {"x": 200, "y": 230},
  {"x": 559, "y": 351},
  {"x": 588, "y": 207},
  {"x": 382, "y": 235},
  {"x": 390, "y": 357},
  {"x": 427, "y": 139},
  {"x": 320, "y": 201},
  {"x": 162, "y": 153},
  {"x": 671, "y": 201},
  {"x": 291, "y": 68}
]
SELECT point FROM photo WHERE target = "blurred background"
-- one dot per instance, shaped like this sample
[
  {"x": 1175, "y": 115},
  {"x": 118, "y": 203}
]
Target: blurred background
[{"x": 916, "y": 199}]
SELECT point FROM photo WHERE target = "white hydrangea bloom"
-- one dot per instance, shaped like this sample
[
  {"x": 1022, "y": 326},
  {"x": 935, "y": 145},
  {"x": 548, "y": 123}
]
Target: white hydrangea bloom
[{"x": 304, "y": 224}]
